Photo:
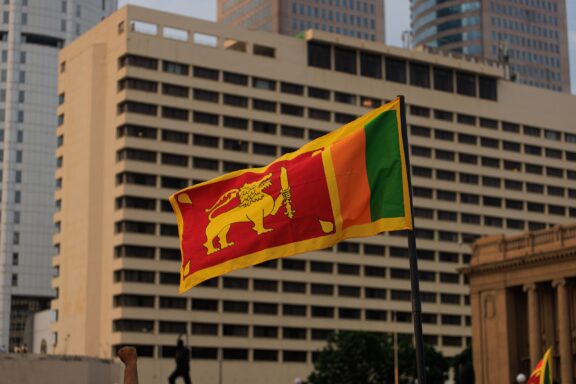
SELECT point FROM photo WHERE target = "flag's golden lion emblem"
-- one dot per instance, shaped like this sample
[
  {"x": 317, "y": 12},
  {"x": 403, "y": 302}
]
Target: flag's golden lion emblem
[{"x": 254, "y": 205}]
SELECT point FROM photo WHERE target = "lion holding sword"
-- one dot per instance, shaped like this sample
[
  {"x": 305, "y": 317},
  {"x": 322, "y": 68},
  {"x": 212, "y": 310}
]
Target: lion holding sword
[{"x": 254, "y": 205}]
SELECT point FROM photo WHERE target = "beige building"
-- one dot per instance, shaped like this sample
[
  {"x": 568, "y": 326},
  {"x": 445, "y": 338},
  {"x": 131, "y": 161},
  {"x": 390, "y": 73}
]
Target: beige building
[
  {"x": 153, "y": 102},
  {"x": 523, "y": 295},
  {"x": 361, "y": 19}
]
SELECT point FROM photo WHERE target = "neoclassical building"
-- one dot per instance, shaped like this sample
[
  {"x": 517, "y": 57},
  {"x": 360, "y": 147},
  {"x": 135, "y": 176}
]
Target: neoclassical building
[{"x": 523, "y": 297}]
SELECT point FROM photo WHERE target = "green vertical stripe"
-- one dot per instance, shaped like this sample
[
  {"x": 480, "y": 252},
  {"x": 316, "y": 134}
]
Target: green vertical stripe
[
  {"x": 384, "y": 167},
  {"x": 547, "y": 372}
]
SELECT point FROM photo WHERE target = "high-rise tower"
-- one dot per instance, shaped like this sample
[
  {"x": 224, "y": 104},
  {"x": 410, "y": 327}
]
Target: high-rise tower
[
  {"x": 32, "y": 32},
  {"x": 529, "y": 36},
  {"x": 362, "y": 19}
]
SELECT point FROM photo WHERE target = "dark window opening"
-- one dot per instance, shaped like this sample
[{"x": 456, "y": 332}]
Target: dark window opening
[
  {"x": 319, "y": 55},
  {"x": 443, "y": 79},
  {"x": 395, "y": 70},
  {"x": 420, "y": 75},
  {"x": 466, "y": 84},
  {"x": 345, "y": 60},
  {"x": 370, "y": 65}
]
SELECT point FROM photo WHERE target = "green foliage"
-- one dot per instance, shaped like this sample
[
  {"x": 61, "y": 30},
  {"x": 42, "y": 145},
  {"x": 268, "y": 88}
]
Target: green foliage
[
  {"x": 462, "y": 363},
  {"x": 354, "y": 357}
]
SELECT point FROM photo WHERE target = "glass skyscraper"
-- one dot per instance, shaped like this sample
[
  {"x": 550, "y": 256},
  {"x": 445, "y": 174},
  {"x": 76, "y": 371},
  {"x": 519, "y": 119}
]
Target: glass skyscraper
[{"x": 529, "y": 35}]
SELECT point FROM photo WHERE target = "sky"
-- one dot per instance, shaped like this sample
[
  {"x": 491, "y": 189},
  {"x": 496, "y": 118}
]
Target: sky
[{"x": 397, "y": 19}]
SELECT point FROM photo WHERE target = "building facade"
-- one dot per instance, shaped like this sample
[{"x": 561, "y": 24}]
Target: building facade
[
  {"x": 150, "y": 107},
  {"x": 530, "y": 35},
  {"x": 362, "y": 19},
  {"x": 523, "y": 294},
  {"x": 32, "y": 34}
]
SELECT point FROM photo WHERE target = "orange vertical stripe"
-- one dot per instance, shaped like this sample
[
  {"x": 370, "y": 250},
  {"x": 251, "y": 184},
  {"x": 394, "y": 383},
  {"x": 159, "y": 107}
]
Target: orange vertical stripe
[{"x": 348, "y": 157}]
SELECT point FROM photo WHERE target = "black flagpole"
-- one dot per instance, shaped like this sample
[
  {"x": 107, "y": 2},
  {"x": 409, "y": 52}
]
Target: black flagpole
[{"x": 414, "y": 276}]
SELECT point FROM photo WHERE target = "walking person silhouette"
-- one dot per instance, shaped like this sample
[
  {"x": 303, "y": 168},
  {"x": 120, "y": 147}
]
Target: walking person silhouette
[{"x": 182, "y": 357}]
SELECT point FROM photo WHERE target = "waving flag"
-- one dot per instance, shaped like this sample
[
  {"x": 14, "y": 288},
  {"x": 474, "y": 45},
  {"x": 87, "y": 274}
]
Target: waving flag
[
  {"x": 351, "y": 182},
  {"x": 542, "y": 374}
]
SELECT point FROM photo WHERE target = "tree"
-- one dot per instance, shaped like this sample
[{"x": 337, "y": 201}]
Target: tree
[
  {"x": 355, "y": 357},
  {"x": 462, "y": 363}
]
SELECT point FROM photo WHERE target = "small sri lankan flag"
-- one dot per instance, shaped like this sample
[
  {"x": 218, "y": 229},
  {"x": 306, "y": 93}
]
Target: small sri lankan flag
[
  {"x": 542, "y": 374},
  {"x": 351, "y": 182}
]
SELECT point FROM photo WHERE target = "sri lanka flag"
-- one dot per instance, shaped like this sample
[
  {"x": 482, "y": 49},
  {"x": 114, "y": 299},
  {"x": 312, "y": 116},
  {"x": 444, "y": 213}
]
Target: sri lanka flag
[
  {"x": 542, "y": 374},
  {"x": 352, "y": 182}
]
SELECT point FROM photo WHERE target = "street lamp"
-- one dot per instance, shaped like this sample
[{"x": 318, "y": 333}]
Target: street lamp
[{"x": 521, "y": 378}]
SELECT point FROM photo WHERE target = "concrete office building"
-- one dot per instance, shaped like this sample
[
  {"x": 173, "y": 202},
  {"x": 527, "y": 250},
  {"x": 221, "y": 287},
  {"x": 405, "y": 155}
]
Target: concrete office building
[
  {"x": 32, "y": 32},
  {"x": 362, "y": 19},
  {"x": 153, "y": 102},
  {"x": 523, "y": 295},
  {"x": 534, "y": 34}
]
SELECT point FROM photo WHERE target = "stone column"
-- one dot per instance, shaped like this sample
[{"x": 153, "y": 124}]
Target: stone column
[
  {"x": 533, "y": 325},
  {"x": 564, "y": 335}
]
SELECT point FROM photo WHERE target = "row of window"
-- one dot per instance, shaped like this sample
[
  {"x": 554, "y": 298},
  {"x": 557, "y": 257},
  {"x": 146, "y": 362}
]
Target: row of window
[
  {"x": 347, "y": 269},
  {"x": 211, "y": 353},
  {"x": 197, "y": 162},
  {"x": 230, "y": 121},
  {"x": 256, "y": 331},
  {"x": 493, "y": 201},
  {"x": 219, "y": 142},
  {"x": 491, "y": 143},
  {"x": 525, "y": 41},
  {"x": 324, "y": 94},
  {"x": 274, "y": 309},
  {"x": 299, "y": 25},
  {"x": 171, "y": 159},
  {"x": 151, "y": 228},
  {"x": 348, "y": 60},
  {"x": 151, "y": 204},
  {"x": 417, "y": 171},
  {"x": 264, "y": 355},
  {"x": 495, "y": 182},
  {"x": 490, "y": 163},
  {"x": 265, "y": 105},
  {"x": 142, "y": 179},
  {"x": 505, "y": 126},
  {"x": 298, "y": 132},
  {"x": 329, "y": 14},
  {"x": 487, "y": 220},
  {"x": 372, "y": 250}
]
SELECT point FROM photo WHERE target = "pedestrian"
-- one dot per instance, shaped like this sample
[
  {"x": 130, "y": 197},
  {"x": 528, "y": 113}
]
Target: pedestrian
[{"x": 182, "y": 357}]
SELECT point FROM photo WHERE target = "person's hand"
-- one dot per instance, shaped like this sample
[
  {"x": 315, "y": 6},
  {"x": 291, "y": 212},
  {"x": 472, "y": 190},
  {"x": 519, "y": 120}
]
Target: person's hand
[{"x": 128, "y": 355}]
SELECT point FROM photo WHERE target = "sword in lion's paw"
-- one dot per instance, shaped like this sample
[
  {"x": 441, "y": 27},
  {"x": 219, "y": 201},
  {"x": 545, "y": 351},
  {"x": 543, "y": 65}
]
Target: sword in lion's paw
[{"x": 285, "y": 191}]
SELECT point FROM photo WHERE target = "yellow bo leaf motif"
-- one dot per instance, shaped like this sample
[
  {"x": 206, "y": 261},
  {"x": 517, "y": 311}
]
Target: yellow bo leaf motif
[
  {"x": 184, "y": 199},
  {"x": 327, "y": 226}
]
